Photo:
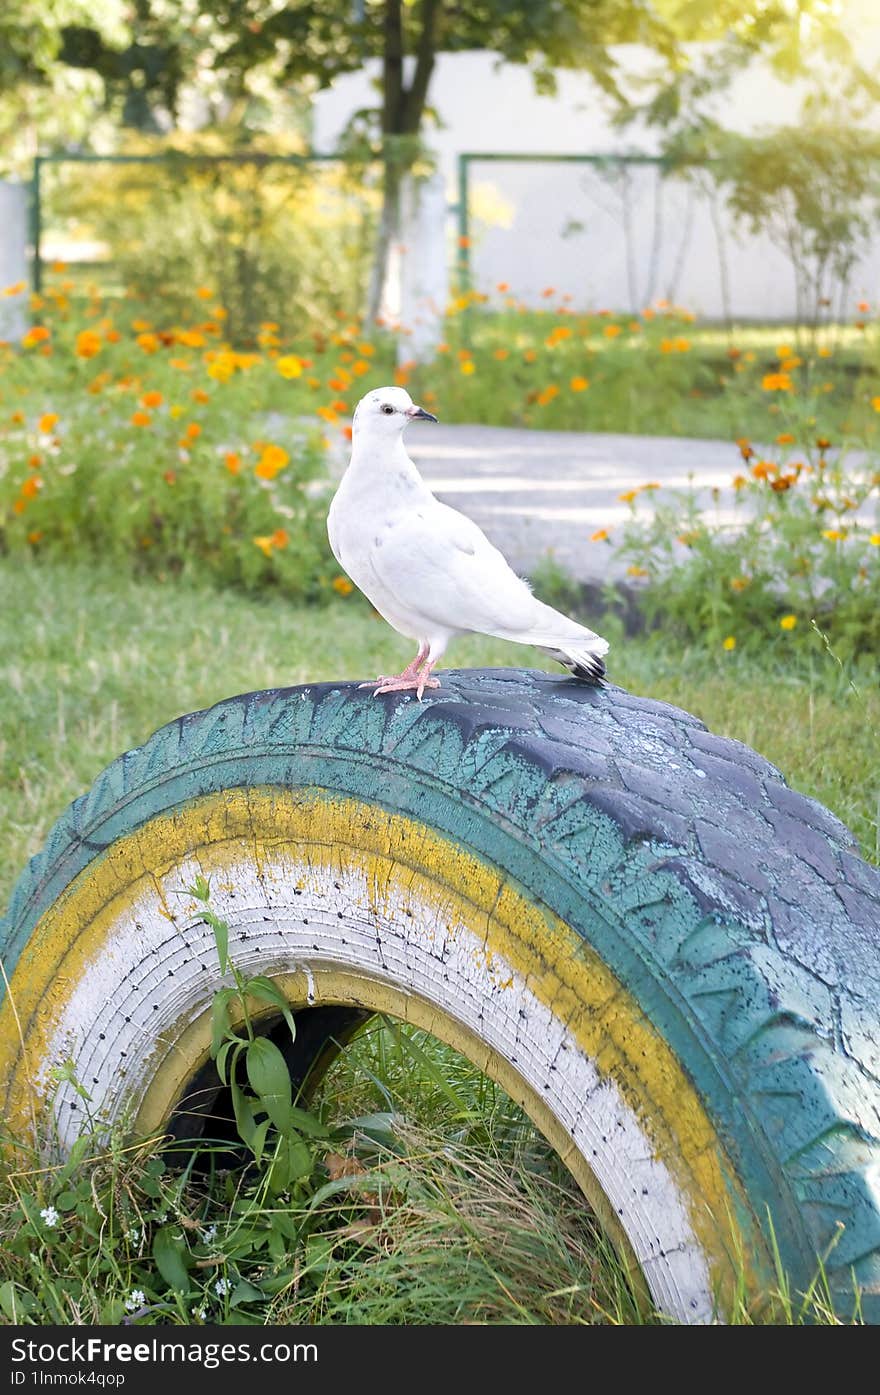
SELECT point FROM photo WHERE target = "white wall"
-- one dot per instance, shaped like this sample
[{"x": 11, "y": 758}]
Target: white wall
[{"x": 522, "y": 211}]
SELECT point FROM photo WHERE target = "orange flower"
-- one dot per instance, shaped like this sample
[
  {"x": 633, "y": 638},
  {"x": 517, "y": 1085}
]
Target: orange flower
[
  {"x": 273, "y": 460},
  {"x": 17, "y": 418},
  {"x": 464, "y": 242},
  {"x": 611, "y": 331},
  {"x": 834, "y": 534},
  {"x": 327, "y": 414},
  {"x": 280, "y": 538},
  {"x": 342, "y": 585},
  {"x": 16, "y": 289},
  {"x": 547, "y": 395},
  {"x": 148, "y": 342},
  {"x": 347, "y": 432},
  {"x": 34, "y": 537},
  {"x": 140, "y": 418},
  {"x": 501, "y": 354},
  {"x": 152, "y": 399},
  {"x": 864, "y": 306},
  {"x": 170, "y": 477},
  {"x": 290, "y": 366},
  {"x": 204, "y": 293},
  {"x": 600, "y": 535},
  {"x": 739, "y": 583},
  {"x": 88, "y": 343},
  {"x": 548, "y": 291},
  {"x": 141, "y": 326},
  {"x": 359, "y": 367},
  {"x": 366, "y": 350},
  {"x": 776, "y": 382},
  {"x": 37, "y": 334},
  {"x": 31, "y": 487},
  {"x": 232, "y": 461},
  {"x": 183, "y": 365},
  {"x": 530, "y": 355},
  {"x": 34, "y": 462},
  {"x": 502, "y": 287},
  {"x": 764, "y": 470},
  {"x": 785, "y": 438},
  {"x": 199, "y": 395},
  {"x": 193, "y": 430},
  {"x": 629, "y": 496},
  {"x": 339, "y": 406},
  {"x": 579, "y": 384},
  {"x": 46, "y": 423},
  {"x": 190, "y": 338}
]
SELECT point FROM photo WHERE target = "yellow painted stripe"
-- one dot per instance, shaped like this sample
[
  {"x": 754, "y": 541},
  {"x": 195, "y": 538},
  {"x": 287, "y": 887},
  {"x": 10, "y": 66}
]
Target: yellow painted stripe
[{"x": 398, "y": 857}]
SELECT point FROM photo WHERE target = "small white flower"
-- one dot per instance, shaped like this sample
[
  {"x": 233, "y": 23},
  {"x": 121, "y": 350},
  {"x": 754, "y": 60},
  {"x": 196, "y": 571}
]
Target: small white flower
[
  {"x": 209, "y": 1234},
  {"x": 134, "y": 1235},
  {"x": 221, "y": 1287},
  {"x": 136, "y": 1299},
  {"x": 49, "y": 1215},
  {"x": 200, "y": 1313}
]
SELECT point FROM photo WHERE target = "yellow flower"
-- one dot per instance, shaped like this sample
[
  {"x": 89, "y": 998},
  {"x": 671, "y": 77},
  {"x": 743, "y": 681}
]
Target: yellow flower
[
  {"x": 824, "y": 351},
  {"x": 47, "y": 421},
  {"x": 467, "y": 367},
  {"x": 629, "y": 496},
  {"x": 729, "y": 643},
  {"x": 273, "y": 460},
  {"x": 875, "y": 403},
  {"x": 636, "y": 571},
  {"x": 611, "y": 331},
  {"x": 175, "y": 411},
  {"x": 739, "y": 583},
  {"x": 788, "y": 622},
  {"x": 874, "y": 540},
  {"x": 16, "y": 289},
  {"x": 265, "y": 545},
  {"x": 289, "y": 366},
  {"x": 784, "y": 351},
  {"x": 579, "y": 384},
  {"x": 600, "y": 535},
  {"x": 342, "y": 585},
  {"x": 204, "y": 293},
  {"x": 191, "y": 338},
  {"x": 834, "y": 534}
]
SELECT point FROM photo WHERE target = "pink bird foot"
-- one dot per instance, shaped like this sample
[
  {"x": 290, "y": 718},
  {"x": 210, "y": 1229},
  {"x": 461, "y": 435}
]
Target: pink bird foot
[
  {"x": 414, "y": 684},
  {"x": 409, "y": 673}
]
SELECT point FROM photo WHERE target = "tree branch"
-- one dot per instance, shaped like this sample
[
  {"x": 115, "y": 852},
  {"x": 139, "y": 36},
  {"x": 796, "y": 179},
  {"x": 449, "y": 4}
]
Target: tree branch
[
  {"x": 392, "y": 68},
  {"x": 426, "y": 54}
]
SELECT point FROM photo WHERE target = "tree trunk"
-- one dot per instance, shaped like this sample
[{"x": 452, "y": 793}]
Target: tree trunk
[{"x": 402, "y": 112}]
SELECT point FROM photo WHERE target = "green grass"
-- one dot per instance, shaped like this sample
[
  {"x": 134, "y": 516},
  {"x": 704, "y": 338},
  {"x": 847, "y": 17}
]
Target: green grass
[{"x": 469, "y": 1217}]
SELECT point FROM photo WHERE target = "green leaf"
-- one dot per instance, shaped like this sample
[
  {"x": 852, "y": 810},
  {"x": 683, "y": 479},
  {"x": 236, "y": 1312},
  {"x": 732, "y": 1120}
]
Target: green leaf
[
  {"x": 220, "y": 1023},
  {"x": 245, "y": 1293},
  {"x": 307, "y": 1123},
  {"x": 292, "y": 1162},
  {"x": 270, "y": 1080},
  {"x": 243, "y": 1105},
  {"x": 171, "y": 1256},
  {"x": 258, "y": 1142},
  {"x": 268, "y": 992},
  {"x": 221, "y": 940},
  {"x": 16, "y": 1301},
  {"x": 201, "y": 888}
]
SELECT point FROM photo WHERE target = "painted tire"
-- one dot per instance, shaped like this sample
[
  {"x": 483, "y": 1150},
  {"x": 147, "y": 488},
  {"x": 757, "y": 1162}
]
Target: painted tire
[{"x": 664, "y": 953}]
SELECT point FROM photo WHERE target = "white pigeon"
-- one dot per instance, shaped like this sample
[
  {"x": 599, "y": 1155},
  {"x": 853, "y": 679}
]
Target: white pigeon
[{"x": 429, "y": 570}]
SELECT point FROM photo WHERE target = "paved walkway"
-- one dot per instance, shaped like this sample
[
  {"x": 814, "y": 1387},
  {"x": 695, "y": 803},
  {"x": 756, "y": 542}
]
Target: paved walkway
[{"x": 540, "y": 492}]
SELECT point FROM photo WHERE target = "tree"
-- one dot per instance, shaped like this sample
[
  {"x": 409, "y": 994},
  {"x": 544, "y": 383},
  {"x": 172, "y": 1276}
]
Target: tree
[{"x": 172, "y": 44}]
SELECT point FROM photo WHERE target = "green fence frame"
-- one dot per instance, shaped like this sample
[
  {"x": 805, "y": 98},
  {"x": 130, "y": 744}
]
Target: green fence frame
[
  {"x": 166, "y": 158},
  {"x": 469, "y": 157}
]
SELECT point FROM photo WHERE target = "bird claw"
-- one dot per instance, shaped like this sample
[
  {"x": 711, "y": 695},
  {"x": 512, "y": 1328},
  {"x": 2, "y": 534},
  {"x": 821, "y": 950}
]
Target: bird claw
[
  {"x": 408, "y": 685},
  {"x": 382, "y": 678}
]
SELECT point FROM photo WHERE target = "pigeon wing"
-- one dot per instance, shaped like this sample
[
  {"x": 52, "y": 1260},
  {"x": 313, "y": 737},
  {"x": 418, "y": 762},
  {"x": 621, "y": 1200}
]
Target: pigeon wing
[{"x": 438, "y": 563}]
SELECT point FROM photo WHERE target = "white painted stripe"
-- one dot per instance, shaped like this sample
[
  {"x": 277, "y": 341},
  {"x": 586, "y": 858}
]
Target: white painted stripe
[{"x": 149, "y": 976}]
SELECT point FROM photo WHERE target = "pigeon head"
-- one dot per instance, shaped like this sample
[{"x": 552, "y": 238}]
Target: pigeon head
[{"x": 386, "y": 411}]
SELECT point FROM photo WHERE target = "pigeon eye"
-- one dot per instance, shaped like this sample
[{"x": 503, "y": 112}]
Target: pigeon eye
[{"x": 387, "y": 410}]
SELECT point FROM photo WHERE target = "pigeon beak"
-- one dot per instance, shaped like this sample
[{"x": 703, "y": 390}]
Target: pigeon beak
[{"x": 419, "y": 414}]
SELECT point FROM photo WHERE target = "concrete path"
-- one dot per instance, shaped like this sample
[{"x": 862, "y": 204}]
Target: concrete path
[{"x": 540, "y": 492}]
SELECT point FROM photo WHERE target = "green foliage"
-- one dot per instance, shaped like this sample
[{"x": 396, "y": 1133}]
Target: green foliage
[
  {"x": 275, "y": 238},
  {"x": 814, "y": 189},
  {"x": 795, "y": 539}
]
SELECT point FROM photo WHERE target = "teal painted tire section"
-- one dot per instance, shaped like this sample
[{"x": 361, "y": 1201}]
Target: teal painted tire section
[{"x": 736, "y": 912}]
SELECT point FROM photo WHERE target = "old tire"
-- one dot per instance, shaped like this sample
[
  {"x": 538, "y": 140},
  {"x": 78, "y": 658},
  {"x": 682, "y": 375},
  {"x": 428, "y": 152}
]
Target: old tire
[{"x": 668, "y": 956}]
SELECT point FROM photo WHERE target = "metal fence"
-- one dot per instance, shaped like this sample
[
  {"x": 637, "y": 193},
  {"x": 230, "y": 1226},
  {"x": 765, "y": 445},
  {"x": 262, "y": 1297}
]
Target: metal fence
[{"x": 622, "y": 231}]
